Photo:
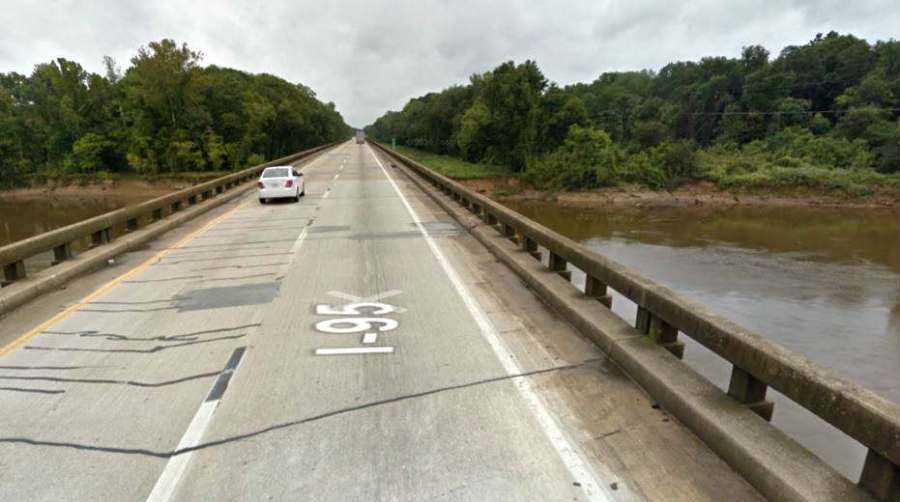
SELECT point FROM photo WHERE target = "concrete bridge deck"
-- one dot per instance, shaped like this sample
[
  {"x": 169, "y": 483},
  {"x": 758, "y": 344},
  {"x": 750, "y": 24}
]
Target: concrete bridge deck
[{"x": 358, "y": 345}]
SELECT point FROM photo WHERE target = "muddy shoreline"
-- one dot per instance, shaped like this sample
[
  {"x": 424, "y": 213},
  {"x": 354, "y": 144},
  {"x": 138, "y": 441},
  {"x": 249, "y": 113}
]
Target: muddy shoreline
[
  {"x": 696, "y": 194},
  {"x": 124, "y": 188}
]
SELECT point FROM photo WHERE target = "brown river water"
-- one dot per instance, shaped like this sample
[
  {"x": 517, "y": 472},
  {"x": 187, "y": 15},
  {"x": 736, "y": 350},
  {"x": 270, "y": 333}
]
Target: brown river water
[
  {"x": 822, "y": 282},
  {"x": 23, "y": 216}
]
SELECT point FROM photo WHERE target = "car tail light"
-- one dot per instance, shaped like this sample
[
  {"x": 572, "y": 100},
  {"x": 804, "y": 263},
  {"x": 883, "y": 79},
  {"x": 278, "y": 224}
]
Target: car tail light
[
  {"x": 260, "y": 185},
  {"x": 289, "y": 183}
]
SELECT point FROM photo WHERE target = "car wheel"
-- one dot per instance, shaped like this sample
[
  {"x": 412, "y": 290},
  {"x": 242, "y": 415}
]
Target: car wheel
[
  {"x": 302, "y": 193},
  {"x": 262, "y": 201}
]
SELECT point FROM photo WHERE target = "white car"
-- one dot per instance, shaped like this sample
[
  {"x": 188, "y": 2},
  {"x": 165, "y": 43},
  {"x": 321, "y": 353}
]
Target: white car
[{"x": 278, "y": 182}]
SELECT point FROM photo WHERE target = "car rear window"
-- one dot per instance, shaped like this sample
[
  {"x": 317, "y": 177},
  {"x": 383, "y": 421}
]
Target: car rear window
[{"x": 276, "y": 173}]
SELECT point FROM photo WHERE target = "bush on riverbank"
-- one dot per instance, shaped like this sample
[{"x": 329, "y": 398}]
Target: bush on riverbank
[{"x": 587, "y": 159}]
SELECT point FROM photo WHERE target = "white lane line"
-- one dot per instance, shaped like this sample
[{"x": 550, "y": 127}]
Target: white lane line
[
  {"x": 165, "y": 485},
  {"x": 327, "y": 193},
  {"x": 567, "y": 452},
  {"x": 338, "y": 175},
  {"x": 370, "y": 337},
  {"x": 175, "y": 467},
  {"x": 354, "y": 351},
  {"x": 295, "y": 248}
]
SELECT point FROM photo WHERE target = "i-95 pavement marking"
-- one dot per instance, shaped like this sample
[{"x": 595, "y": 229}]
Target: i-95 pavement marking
[{"x": 567, "y": 452}]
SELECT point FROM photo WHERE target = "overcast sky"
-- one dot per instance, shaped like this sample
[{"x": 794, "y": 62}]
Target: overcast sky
[{"x": 371, "y": 56}]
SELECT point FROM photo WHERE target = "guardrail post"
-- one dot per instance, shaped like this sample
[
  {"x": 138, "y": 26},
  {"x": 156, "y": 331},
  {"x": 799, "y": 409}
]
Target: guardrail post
[
  {"x": 509, "y": 232},
  {"x": 597, "y": 289},
  {"x": 13, "y": 272},
  {"x": 530, "y": 246},
  {"x": 748, "y": 390},
  {"x": 880, "y": 477},
  {"x": 100, "y": 237},
  {"x": 558, "y": 265},
  {"x": 62, "y": 253},
  {"x": 666, "y": 335},
  {"x": 156, "y": 215},
  {"x": 642, "y": 320},
  {"x": 131, "y": 225}
]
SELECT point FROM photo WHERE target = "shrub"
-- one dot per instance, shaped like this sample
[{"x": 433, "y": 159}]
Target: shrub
[
  {"x": 586, "y": 159},
  {"x": 677, "y": 160},
  {"x": 639, "y": 168}
]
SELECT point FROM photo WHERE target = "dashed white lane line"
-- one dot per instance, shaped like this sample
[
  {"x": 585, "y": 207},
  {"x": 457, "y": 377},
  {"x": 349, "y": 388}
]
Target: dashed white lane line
[
  {"x": 346, "y": 351},
  {"x": 168, "y": 481},
  {"x": 338, "y": 175},
  {"x": 175, "y": 467},
  {"x": 567, "y": 452},
  {"x": 295, "y": 248},
  {"x": 327, "y": 193}
]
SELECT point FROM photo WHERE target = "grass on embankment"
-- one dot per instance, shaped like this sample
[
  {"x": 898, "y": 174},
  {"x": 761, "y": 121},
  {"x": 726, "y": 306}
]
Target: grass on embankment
[
  {"x": 752, "y": 174},
  {"x": 453, "y": 167}
]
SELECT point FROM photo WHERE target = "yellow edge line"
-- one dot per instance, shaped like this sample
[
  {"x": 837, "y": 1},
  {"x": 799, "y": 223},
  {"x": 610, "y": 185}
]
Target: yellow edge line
[{"x": 111, "y": 284}]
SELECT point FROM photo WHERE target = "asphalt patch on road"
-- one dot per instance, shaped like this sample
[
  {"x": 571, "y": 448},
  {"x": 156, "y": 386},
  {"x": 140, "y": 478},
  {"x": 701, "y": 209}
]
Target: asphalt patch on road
[{"x": 228, "y": 296}]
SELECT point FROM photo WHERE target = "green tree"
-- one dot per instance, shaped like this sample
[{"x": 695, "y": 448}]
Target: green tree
[{"x": 89, "y": 152}]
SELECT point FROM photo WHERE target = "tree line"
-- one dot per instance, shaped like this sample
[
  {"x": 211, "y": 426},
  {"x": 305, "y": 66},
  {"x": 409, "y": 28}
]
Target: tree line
[
  {"x": 824, "y": 112},
  {"x": 165, "y": 114}
]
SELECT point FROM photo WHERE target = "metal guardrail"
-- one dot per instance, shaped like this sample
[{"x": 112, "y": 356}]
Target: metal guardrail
[
  {"x": 662, "y": 314},
  {"x": 99, "y": 228}
]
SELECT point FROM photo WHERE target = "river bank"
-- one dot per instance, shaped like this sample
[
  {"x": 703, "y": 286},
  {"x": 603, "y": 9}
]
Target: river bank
[
  {"x": 695, "y": 194},
  {"x": 124, "y": 185},
  {"x": 502, "y": 184}
]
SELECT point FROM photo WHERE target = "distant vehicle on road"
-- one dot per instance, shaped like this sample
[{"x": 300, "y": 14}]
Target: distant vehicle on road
[
  {"x": 279, "y": 182},
  {"x": 360, "y": 137}
]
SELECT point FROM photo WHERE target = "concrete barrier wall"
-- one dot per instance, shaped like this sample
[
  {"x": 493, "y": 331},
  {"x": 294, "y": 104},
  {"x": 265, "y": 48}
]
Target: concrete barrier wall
[{"x": 662, "y": 315}]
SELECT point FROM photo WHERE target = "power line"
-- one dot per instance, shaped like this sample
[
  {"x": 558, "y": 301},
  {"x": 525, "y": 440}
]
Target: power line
[
  {"x": 619, "y": 113},
  {"x": 796, "y": 112}
]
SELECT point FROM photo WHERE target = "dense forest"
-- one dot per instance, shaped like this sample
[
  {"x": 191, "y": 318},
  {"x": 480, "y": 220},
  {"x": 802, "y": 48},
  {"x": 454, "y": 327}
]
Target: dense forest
[
  {"x": 824, "y": 114},
  {"x": 165, "y": 114}
]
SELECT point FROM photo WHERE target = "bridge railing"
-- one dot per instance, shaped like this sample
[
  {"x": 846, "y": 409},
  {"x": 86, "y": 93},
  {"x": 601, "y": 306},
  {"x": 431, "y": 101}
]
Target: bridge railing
[
  {"x": 100, "y": 228},
  {"x": 662, "y": 315}
]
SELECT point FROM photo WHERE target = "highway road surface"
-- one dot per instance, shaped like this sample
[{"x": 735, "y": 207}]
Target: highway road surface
[{"x": 357, "y": 345}]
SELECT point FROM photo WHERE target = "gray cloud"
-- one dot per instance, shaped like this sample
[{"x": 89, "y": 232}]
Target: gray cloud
[{"x": 370, "y": 56}]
